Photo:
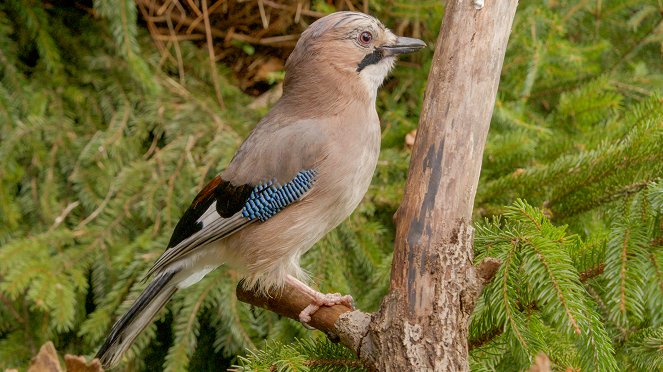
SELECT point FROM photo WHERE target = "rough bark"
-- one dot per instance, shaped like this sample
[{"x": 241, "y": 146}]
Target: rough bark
[{"x": 422, "y": 323}]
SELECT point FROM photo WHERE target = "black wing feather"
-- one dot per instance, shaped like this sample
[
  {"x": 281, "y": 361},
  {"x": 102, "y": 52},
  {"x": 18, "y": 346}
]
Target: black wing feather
[
  {"x": 229, "y": 199},
  {"x": 189, "y": 234},
  {"x": 202, "y": 224}
]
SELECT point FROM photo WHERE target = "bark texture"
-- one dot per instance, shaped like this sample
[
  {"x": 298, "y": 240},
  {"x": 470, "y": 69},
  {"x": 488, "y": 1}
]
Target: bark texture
[{"x": 422, "y": 323}]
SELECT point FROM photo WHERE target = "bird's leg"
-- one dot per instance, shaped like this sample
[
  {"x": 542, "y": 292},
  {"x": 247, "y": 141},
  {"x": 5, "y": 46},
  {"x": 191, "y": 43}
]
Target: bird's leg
[{"x": 318, "y": 299}]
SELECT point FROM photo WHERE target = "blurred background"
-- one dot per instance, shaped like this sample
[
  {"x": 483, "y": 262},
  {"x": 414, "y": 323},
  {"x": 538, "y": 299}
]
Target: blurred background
[{"x": 113, "y": 114}]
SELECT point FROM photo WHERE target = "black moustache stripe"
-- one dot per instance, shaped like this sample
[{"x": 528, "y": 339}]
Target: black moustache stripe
[{"x": 370, "y": 59}]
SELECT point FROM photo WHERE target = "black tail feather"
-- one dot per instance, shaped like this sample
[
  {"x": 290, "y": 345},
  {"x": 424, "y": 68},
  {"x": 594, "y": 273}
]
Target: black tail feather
[{"x": 139, "y": 316}]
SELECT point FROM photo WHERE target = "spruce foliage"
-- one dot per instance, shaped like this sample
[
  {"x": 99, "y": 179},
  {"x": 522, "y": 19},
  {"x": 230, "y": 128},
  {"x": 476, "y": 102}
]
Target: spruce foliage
[{"x": 103, "y": 146}]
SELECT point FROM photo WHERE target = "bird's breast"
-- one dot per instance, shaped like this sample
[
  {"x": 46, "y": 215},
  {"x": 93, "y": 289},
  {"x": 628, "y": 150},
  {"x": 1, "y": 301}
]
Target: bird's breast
[
  {"x": 350, "y": 167},
  {"x": 272, "y": 249}
]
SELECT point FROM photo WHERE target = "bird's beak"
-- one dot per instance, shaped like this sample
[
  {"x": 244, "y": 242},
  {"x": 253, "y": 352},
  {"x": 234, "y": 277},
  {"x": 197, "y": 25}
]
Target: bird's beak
[{"x": 403, "y": 45}]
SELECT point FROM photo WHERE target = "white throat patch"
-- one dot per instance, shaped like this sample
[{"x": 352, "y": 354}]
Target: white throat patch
[{"x": 372, "y": 76}]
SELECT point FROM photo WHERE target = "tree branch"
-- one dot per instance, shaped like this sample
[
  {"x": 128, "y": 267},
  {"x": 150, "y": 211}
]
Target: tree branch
[{"x": 339, "y": 322}]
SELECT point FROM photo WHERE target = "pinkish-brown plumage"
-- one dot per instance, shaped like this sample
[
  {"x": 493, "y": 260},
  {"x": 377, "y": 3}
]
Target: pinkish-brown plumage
[{"x": 326, "y": 122}]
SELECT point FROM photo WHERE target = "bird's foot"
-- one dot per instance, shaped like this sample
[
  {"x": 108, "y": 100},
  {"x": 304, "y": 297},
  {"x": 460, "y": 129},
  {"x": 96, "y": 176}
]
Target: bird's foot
[
  {"x": 318, "y": 300},
  {"x": 324, "y": 299}
]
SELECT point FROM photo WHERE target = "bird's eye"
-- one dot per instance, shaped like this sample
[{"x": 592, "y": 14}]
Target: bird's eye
[{"x": 365, "y": 38}]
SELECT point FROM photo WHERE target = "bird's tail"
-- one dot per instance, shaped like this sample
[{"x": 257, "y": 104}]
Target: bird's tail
[{"x": 139, "y": 316}]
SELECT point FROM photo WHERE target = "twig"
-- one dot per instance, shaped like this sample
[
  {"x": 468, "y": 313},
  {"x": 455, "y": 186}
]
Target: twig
[
  {"x": 574, "y": 10},
  {"x": 65, "y": 212},
  {"x": 350, "y": 6},
  {"x": 187, "y": 21},
  {"x": 288, "y": 40},
  {"x": 165, "y": 6},
  {"x": 11, "y": 309},
  {"x": 197, "y": 21},
  {"x": 165, "y": 53},
  {"x": 592, "y": 272},
  {"x": 646, "y": 38},
  {"x": 339, "y": 320},
  {"x": 173, "y": 37},
  {"x": 484, "y": 339},
  {"x": 279, "y": 39},
  {"x": 290, "y": 302},
  {"x": 263, "y": 15},
  {"x": 306, "y": 12},
  {"x": 195, "y": 8},
  {"x": 100, "y": 207},
  {"x": 212, "y": 58},
  {"x": 178, "y": 51}
]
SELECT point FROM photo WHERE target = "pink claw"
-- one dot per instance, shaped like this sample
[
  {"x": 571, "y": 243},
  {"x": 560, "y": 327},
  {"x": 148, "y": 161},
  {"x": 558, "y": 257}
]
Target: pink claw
[{"x": 322, "y": 299}]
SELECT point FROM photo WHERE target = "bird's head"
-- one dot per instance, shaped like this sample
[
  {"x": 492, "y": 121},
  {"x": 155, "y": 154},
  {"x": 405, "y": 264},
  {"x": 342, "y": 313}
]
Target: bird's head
[{"x": 347, "y": 47}]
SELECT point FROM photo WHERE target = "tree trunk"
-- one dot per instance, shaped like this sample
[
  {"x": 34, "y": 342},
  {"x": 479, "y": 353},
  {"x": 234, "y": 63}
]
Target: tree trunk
[{"x": 422, "y": 323}]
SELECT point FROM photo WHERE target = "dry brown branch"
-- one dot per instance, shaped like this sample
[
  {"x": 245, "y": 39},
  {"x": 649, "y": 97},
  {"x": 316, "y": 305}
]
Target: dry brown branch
[
  {"x": 194, "y": 24},
  {"x": 187, "y": 21},
  {"x": 272, "y": 27},
  {"x": 212, "y": 58},
  {"x": 290, "y": 302},
  {"x": 152, "y": 28},
  {"x": 180, "y": 37},
  {"x": 178, "y": 51},
  {"x": 263, "y": 15},
  {"x": 195, "y": 9},
  {"x": 298, "y": 9},
  {"x": 197, "y": 21}
]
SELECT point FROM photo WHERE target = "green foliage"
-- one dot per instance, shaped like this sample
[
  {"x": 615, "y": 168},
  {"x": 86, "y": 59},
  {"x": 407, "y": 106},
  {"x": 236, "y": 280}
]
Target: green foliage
[
  {"x": 102, "y": 150},
  {"x": 538, "y": 283},
  {"x": 644, "y": 349},
  {"x": 300, "y": 355}
]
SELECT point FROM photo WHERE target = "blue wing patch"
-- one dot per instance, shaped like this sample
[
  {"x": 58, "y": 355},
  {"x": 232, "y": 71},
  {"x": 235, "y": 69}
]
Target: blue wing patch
[
  {"x": 269, "y": 198},
  {"x": 262, "y": 202}
]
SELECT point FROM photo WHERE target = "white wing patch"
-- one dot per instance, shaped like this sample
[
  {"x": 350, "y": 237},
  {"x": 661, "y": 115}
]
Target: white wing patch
[
  {"x": 209, "y": 216},
  {"x": 195, "y": 277},
  {"x": 218, "y": 228}
]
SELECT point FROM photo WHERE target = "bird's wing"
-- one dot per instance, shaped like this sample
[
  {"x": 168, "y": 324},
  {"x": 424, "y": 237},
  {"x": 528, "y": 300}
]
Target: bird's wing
[
  {"x": 222, "y": 209},
  {"x": 274, "y": 167}
]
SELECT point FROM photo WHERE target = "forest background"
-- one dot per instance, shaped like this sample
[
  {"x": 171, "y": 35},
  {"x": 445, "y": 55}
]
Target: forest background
[{"x": 114, "y": 113}]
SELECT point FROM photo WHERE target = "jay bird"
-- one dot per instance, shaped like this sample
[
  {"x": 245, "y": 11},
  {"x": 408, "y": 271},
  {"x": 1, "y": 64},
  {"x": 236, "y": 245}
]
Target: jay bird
[{"x": 302, "y": 170}]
